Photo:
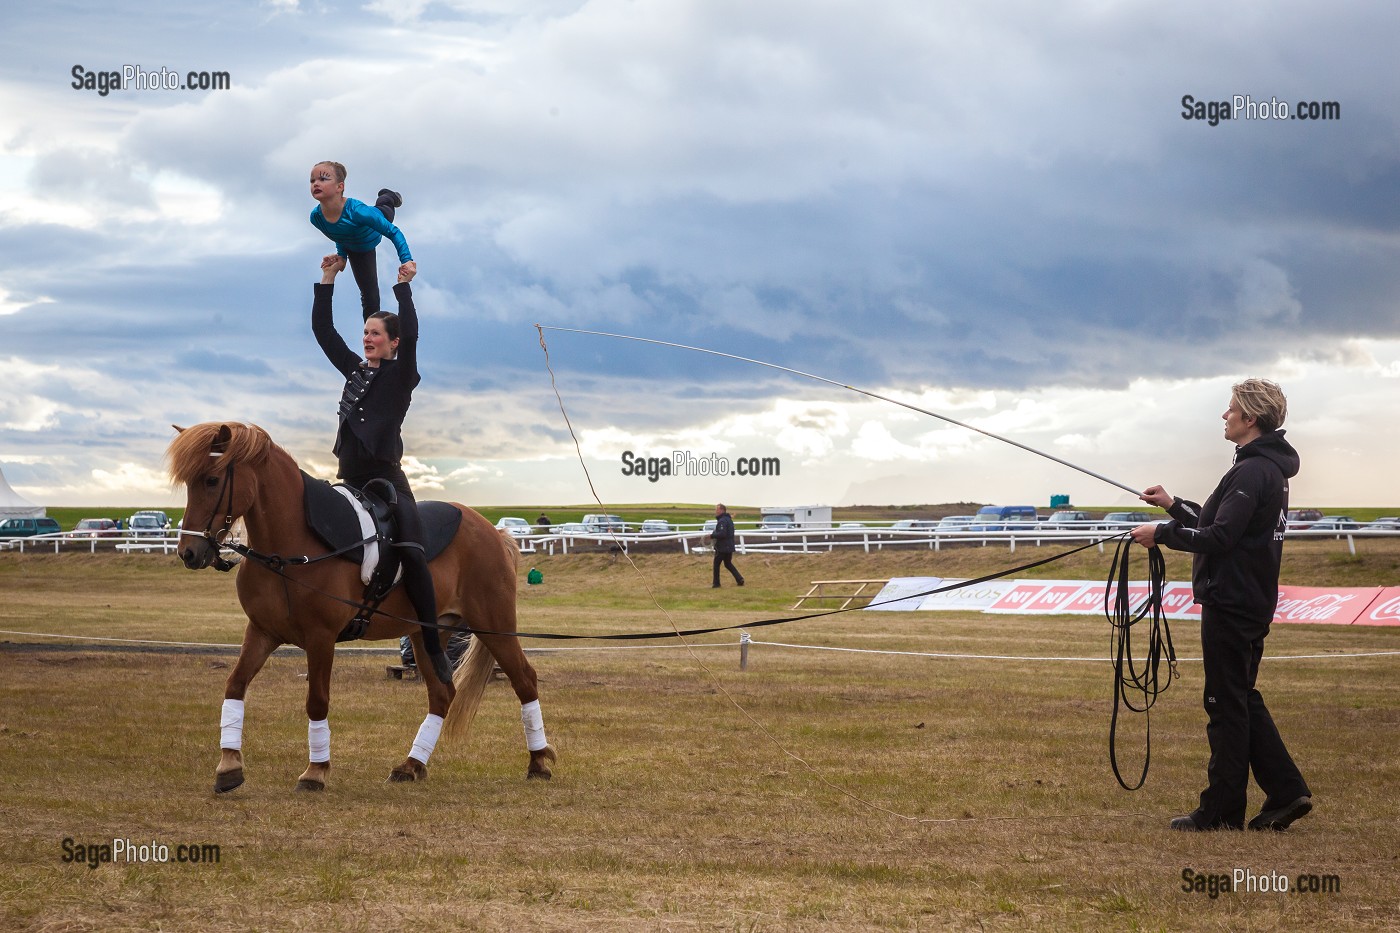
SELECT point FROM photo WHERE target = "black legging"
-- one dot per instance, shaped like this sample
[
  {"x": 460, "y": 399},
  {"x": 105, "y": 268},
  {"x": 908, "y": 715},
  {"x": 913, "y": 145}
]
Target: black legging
[
  {"x": 417, "y": 578},
  {"x": 365, "y": 270}
]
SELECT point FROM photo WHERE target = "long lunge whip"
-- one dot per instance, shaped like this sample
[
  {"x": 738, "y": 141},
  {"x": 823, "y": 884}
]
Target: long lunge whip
[
  {"x": 856, "y": 389},
  {"x": 1121, "y": 617}
]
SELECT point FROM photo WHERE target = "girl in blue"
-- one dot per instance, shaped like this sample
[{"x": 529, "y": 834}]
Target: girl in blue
[{"x": 356, "y": 229}]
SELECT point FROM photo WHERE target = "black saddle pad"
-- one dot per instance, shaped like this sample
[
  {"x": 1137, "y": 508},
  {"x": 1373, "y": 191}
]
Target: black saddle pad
[{"x": 334, "y": 523}]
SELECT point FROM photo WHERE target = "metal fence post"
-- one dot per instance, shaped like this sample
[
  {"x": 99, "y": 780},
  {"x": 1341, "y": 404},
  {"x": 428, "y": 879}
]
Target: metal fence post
[{"x": 743, "y": 651}]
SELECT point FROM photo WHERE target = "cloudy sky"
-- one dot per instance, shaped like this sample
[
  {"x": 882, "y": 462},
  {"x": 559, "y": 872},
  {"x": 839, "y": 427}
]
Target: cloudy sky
[{"x": 996, "y": 211}]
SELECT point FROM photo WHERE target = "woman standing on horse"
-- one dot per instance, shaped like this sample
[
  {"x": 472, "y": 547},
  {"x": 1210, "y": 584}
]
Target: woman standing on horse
[{"x": 369, "y": 442}]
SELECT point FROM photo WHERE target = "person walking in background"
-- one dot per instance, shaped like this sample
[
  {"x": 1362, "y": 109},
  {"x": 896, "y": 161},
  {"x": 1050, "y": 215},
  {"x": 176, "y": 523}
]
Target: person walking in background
[
  {"x": 723, "y": 536},
  {"x": 1236, "y": 540}
]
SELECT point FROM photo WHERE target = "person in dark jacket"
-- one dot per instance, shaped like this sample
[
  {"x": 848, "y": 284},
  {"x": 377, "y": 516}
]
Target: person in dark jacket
[
  {"x": 369, "y": 441},
  {"x": 1236, "y": 539},
  {"x": 723, "y": 536}
]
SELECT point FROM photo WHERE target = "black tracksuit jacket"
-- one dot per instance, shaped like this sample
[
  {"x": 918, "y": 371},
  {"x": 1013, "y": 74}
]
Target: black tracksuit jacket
[
  {"x": 1237, "y": 536},
  {"x": 370, "y": 439}
]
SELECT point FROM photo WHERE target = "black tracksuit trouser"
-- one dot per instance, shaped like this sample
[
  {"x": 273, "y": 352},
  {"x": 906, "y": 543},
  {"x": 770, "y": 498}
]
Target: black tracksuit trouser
[{"x": 1242, "y": 734}]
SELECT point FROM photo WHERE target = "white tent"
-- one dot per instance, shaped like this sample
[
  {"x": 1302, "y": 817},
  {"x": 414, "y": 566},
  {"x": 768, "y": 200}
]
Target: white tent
[{"x": 13, "y": 505}]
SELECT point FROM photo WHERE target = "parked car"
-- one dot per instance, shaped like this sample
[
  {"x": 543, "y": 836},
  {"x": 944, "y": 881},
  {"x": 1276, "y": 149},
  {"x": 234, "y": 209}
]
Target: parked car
[
  {"x": 1336, "y": 523},
  {"x": 1003, "y": 517},
  {"x": 955, "y": 523},
  {"x": 777, "y": 523},
  {"x": 158, "y": 515},
  {"x": 95, "y": 528},
  {"x": 1068, "y": 518},
  {"x": 601, "y": 524},
  {"x": 515, "y": 526},
  {"x": 1121, "y": 520},
  {"x": 569, "y": 528},
  {"x": 145, "y": 525},
  {"x": 28, "y": 527},
  {"x": 1390, "y": 523},
  {"x": 1303, "y": 518},
  {"x": 709, "y": 526},
  {"x": 851, "y": 525},
  {"x": 656, "y": 526}
]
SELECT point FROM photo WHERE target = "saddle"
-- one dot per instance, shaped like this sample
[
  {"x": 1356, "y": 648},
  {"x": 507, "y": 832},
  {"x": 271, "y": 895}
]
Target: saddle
[{"x": 359, "y": 523}]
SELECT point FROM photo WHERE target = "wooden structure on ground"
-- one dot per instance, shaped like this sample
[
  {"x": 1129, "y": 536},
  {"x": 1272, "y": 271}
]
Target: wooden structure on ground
[{"x": 819, "y": 592}]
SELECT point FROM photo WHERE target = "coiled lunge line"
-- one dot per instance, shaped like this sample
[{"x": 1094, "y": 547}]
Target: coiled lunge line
[{"x": 1121, "y": 619}]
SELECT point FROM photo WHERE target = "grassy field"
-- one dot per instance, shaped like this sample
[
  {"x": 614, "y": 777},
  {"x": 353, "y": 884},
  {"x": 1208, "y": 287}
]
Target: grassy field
[{"x": 817, "y": 790}]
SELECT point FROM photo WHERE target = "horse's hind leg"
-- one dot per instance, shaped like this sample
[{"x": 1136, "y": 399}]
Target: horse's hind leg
[
  {"x": 257, "y": 648},
  {"x": 511, "y": 657},
  {"x": 415, "y": 766}
]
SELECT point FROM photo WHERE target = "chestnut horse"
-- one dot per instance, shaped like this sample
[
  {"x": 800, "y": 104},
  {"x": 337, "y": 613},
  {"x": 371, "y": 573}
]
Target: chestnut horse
[{"x": 235, "y": 470}]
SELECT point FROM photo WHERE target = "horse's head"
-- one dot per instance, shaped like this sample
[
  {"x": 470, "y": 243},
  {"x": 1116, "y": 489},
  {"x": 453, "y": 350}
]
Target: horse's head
[{"x": 218, "y": 465}]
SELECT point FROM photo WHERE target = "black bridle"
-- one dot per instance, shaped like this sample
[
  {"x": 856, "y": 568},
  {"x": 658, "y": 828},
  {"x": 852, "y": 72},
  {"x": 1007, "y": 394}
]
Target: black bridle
[{"x": 214, "y": 538}]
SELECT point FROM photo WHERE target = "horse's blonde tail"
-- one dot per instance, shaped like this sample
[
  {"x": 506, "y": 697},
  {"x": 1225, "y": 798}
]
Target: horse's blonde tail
[{"x": 470, "y": 680}]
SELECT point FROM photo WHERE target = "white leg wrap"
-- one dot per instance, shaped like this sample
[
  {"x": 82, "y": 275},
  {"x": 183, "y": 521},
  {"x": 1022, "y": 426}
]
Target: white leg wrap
[
  {"x": 318, "y": 740},
  {"x": 427, "y": 738},
  {"x": 533, "y": 722},
  {"x": 231, "y": 725}
]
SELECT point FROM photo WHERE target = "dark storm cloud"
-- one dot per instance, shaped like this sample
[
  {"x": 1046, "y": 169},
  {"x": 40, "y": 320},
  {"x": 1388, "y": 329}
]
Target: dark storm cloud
[{"x": 963, "y": 195}]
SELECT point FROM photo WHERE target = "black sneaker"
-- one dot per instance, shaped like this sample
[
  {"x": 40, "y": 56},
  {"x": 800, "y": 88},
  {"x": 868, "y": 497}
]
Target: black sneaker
[
  {"x": 1190, "y": 824},
  {"x": 391, "y": 198},
  {"x": 1279, "y": 818}
]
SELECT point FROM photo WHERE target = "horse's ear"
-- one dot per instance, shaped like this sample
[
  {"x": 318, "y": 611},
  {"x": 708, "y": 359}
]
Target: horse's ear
[
  {"x": 222, "y": 438},
  {"x": 178, "y": 429}
]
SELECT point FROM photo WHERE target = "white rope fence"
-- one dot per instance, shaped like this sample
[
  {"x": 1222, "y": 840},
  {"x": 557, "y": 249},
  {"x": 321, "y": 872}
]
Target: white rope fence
[
  {"x": 743, "y": 644},
  {"x": 1015, "y": 657}
]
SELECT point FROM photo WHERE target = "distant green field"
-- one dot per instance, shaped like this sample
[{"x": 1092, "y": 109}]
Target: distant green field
[{"x": 681, "y": 513}]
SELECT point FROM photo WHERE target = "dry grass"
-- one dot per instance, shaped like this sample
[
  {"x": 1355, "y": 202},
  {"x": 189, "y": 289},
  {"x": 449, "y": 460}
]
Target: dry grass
[{"x": 671, "y": 809}]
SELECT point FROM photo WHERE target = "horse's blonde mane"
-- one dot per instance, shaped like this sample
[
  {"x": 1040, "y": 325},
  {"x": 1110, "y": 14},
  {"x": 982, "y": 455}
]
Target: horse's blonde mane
[{"x": 188, "y": 458}]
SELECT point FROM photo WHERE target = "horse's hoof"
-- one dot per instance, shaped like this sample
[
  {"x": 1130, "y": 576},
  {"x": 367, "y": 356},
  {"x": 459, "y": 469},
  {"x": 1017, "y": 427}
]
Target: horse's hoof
[
  {"x": 223, "y": 783},
  {"x": 305, "y": 784},
  {"x": 539, "y": 764},
  {"x": 411, "y": 770}
]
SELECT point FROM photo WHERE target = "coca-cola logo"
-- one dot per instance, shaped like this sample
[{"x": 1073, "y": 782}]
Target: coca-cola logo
[
  {"x": 1321, "y": 607},
  {"x": 1388, "y": 611}
]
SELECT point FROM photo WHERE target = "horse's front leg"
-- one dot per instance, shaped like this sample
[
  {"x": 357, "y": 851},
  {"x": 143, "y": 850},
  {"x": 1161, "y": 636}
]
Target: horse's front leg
[
  {"x": 319, "y": 657},
  {"x": 257, "y": 648}
]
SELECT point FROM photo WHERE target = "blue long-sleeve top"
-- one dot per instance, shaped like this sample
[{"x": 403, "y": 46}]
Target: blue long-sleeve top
[{"x": 360, "y": 228}]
